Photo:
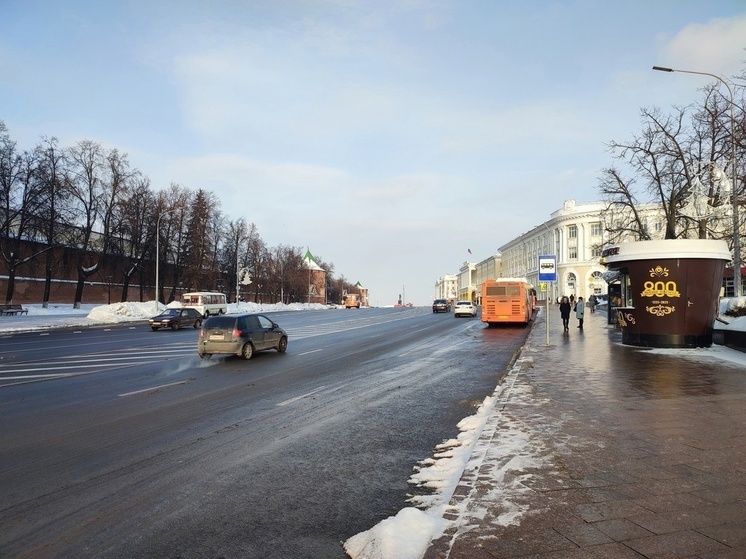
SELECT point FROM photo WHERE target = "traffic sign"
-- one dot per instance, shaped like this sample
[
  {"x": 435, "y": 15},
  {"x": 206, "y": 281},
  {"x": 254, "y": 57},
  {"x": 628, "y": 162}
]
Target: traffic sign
[{"x": 548, "y": 268}]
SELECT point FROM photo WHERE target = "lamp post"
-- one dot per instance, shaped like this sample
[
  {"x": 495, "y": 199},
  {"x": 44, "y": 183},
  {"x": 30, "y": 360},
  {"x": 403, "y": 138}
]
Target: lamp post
[
  {"x": 736, "y": 233},
  {"x": 158, "y": 252}
]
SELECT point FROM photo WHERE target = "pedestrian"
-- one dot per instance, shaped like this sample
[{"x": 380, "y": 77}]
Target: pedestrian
[
  {"x": 572, "y": 300},
  {"x": 580, "y": 312},
  {"x": 592, "y": 302},
  {"x": 565, "y": 312}
]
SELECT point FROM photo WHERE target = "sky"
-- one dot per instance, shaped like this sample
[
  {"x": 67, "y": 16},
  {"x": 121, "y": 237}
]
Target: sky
[
  {"x": 391, "y": 137},
  {"x": 407, "y": 535}
]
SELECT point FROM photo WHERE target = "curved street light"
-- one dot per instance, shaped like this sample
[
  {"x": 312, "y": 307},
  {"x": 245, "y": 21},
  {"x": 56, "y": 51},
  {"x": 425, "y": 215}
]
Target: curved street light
[
  {"x": 158, "y": 252},
  {"x": 736, "y": 233}
]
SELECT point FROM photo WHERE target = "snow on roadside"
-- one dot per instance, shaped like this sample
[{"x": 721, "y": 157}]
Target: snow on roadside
[
  {"x": 409, "y": 534},
  {"x": 58, "y": 315}
]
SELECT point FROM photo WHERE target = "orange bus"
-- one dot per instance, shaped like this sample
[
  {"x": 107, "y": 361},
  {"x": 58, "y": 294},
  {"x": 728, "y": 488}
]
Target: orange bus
[{"x": 508, "y": 300}]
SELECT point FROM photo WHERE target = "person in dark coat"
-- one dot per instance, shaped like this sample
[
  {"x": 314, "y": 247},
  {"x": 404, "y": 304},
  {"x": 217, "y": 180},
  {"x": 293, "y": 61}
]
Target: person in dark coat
[
  {"x": 565, "y": 308},
  {"x": 592, "y": 302}
]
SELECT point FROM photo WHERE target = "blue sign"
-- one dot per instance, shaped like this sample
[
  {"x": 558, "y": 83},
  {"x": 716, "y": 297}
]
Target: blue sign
[{"x": 548, "y": 268}]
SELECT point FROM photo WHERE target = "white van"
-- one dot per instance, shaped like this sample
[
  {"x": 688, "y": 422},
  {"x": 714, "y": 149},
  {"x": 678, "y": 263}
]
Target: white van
[{"x": 205, "y": 302}]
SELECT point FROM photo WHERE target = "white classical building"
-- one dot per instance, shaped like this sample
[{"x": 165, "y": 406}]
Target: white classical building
[
  {"x": 446, "y": 287},
  {"x": 576, "y": 235}
]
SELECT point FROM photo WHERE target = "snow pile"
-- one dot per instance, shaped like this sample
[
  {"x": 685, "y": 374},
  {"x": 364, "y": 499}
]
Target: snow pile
[
  {"x": 404, "y": 536},
  {"x": 408, "y": 534},
  {"x": 726, "y": 322},
  {"x": 121, "y": 312},
  {"x": 65, "y": 315}
]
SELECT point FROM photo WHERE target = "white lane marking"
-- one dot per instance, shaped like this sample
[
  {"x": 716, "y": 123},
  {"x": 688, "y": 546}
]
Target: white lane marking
[
  {"x": 291, "y": 400},
  {"x": 54, "y": 376},
  {"x": 312, "y": 351},
  {"x": 79, "y": 365},
  {"x": 152, "y": 388}
]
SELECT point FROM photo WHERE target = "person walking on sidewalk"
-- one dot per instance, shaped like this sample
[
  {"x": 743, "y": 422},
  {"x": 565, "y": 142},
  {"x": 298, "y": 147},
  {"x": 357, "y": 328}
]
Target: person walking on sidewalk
[
  {"x": 592, "y": 302},
  {"x": 564, "y": 308},
  {"x": 580, "y": 312}
]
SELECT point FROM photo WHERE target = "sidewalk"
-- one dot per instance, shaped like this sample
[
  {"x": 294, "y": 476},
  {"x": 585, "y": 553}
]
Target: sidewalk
[{"x": 627, "y": 453}]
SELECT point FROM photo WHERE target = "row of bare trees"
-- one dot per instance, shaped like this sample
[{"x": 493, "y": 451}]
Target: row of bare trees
[
  {"x": 92, "y": 203},
  {"x": 681, "y": 162}
]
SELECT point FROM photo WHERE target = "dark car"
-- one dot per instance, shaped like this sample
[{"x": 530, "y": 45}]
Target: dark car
[
  {"x": 176, "y": 318},
  {"x": 240, "y": 334},
  {"x": 441, "y": 305}
]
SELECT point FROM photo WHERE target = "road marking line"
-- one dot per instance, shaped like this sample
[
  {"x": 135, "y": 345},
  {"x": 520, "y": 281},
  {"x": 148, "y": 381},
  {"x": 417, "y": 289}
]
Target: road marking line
[
  {"x": 79, "y": 365},
  {"x": 312, "y": 351},
  {"x": 291, "y": 400},
  {"x": 152, "y": 388}
]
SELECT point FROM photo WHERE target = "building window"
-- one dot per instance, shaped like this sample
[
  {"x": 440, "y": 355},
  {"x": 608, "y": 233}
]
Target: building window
[
  {"x": 596, "y": 251},
  {"x": 573, "y": 253},
  {"x": 596, "y": 229},
  {"x": 572, "y": 231}
]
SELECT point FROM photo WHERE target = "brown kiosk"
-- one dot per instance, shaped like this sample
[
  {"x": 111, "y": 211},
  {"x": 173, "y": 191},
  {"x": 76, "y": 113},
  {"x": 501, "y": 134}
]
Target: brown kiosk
[{"x": 669, "y": 290}]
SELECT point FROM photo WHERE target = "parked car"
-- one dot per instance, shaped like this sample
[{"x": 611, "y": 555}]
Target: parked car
[
  {"x": 464, "y": 308},
  {"x": 240, "y": 334},
  {"x": 441, "y": 305},
  {"x": 176, "y": 318}
]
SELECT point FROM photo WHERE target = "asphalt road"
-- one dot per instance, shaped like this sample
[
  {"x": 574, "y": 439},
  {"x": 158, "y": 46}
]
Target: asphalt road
[{"x": 120, "y": 442}]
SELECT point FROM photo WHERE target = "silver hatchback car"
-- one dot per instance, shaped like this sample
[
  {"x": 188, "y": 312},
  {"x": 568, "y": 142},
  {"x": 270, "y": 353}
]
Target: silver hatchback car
[{"x": 240, "y": 334}]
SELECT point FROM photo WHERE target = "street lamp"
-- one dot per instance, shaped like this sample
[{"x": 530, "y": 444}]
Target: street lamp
[
  {"x": 736, "y": 233},
  {"x": 158, "y": 252}
]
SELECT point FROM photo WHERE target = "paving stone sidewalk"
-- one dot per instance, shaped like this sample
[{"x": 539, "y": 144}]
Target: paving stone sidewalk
[{"x": 623, "y": 452}]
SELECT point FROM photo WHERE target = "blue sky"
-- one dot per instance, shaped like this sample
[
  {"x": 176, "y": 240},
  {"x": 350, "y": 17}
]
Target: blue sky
[{"x": 388, "y": 137}]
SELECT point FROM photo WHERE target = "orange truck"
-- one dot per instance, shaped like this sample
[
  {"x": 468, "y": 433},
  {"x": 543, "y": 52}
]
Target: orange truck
[{"x": 352, "y": 300}]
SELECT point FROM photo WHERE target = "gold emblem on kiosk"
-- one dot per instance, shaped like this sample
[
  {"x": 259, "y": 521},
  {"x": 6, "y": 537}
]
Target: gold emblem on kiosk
[
  {"x": 660, "y": 310},
  {"x": 661, "y": 291}
]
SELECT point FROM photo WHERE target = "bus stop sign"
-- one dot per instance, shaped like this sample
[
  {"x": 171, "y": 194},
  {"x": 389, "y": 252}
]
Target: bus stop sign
[{"x": 548, "y": 268}]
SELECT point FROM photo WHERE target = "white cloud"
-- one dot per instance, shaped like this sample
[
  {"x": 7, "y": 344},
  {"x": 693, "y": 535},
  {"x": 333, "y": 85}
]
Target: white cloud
[{"x": 716, "y": 47}]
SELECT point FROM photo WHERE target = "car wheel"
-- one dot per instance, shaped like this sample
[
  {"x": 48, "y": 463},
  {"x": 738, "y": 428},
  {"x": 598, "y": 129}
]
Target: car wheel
[
  {"x": 247, "y": 351},
  {"x": 197, "y": 323},
  {"x": 207, "y": 313},
  {"x": 204, "y": 356},
  {"x": 175, "y": 326},
  {"x": 282, "y": 345},
  {"x": 154, "y": 328}
]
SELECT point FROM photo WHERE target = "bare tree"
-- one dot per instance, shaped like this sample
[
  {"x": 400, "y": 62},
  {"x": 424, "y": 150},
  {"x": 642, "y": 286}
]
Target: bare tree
[
  {"x": 98, "y": 185},
  {"x": 172, "y": 207},
  {"x": 677, "y": 164},
  {"x": 236, "y": 237},
  {"x": 19, "y": 196},
  {"x": 137, "y": 212},
  {"x": 54, "y": 210}
]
